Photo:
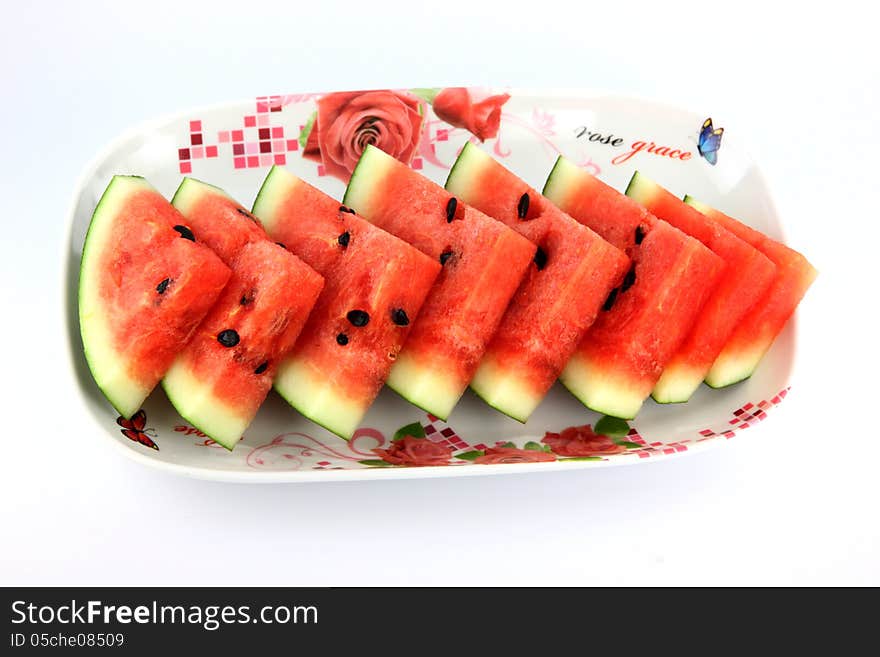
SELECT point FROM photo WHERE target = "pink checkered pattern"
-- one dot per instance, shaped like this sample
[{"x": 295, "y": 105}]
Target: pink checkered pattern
[
  {"x": 256, "y": 143},
  {"x": 267, "y": 104},
  {"x": 649, "y": 449},
  {"x": 436, "y": 430},
  {"x": 196, "y": 150},
  {"x": 259, "y": 143},
  {"x": 744, "y": 417}
]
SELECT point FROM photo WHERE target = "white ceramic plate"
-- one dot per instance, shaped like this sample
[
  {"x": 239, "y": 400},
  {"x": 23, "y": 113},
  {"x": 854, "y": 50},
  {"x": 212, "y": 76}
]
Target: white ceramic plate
[{"x": 233, "y": 145}]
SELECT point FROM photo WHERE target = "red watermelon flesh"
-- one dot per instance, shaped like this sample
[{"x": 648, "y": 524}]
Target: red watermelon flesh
[
  {"x": 143, "y": 290},
  {"x": 222, "y": 377},
  {"x": 483, "y": 264},
  {"x": 759, "y": 327},
  {"x": 747, "y": 276},
  {"x": 337, "y": 368},
  {"x": 649, "y": 316},
  {"x": 563, "y": 291}
]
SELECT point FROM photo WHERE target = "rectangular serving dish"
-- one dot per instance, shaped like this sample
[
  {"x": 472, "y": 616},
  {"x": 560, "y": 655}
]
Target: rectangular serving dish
[{"x": 233, "y": 145}]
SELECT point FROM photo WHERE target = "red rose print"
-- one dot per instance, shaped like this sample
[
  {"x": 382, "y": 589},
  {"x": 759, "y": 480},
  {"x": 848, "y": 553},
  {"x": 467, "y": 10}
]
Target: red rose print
[
  {"x": 347, "y": 121},
  {"x": 416, "y": 452},
  {"x": 513, "y": 455},
  {"x": 455, "y": 106},
  {"x": 581, "y": 441}
]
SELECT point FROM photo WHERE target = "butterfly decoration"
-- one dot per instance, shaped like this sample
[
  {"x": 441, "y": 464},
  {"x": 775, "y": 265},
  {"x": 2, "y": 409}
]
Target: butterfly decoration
[
  {"x": 709, "y": 141},
  {"x": 133, "y": 429}
]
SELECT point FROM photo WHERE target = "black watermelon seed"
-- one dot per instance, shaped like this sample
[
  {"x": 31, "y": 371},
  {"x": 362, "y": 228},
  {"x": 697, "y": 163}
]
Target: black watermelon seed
[
  {"x": 281, "y": 244},
  {"x": 451, "y": 206},
  {"x": 344, "y": 239},
  {"x": 399, "y": 317},
  {"x": 640, "y": 234},
  {"x": 522, "y": 208},
  {"x": 185, "y": 233},
  {"x": 342, "y": 208},
  {"x": 540, "y": 258},
  {"x": 629, "y": 280},
  {"x": 262, "y": 367},
  {"x": 247, "y": 214},
  {"x": 358, "y": 318},
  {"x": 446, "y": 255},
  {"x": 247, "y": 298},
  {"x": 342, "y": 339},
  {"x": 609, "y": 302},
  {"x": 228, "y": 338},
  {"x": 161, "y": 287}
]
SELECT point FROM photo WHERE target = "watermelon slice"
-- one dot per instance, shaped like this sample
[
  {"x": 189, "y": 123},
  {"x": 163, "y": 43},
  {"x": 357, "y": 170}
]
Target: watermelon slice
[
  {"x": 648, "y": 317},
  {"x": 143, "y": 289},
  {"x": 747, "y": 276},
  {"x": 483, "y": 264},
  {"x": 573, "y": 271},
  {"x": 340, "y": 363},
  {"x": 758, "y": 329},
  {"x": 225, "y": 372}
]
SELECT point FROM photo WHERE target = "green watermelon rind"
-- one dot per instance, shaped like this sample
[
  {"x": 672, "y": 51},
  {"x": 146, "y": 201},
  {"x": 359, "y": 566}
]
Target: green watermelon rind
[
  {"x": 669, "y": 394},
  {"x": 182, "y": 401},
  {"x": 344, "y": 429},
  {"x": 560, "y": 171},
  {"x": 359, "y": 188},
  {"x": 262, "y": 207},
  {"x": 502, "y": 406},
  {"x": 190, "y": 187},
  {"x": 615, "y": 400},
  {"x": 456, "y": 181},
  {"x": 637, "y": 187},
  {"x": 101, "y": 220}
]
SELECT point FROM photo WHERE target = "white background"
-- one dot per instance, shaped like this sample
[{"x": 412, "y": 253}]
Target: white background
[{"x": 793, "y": 501}]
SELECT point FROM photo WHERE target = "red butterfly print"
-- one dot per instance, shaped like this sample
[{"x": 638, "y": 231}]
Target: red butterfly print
[{"x": 133, "y": 429}]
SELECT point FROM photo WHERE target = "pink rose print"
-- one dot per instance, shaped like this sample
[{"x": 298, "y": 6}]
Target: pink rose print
[
  {"x": 513, "y": 455},
  {"x": 415, "y": 452},
  {"x": 581, "y": 441},
  {"x": 347, "y": 121},
  {"x": 455, "y": 106}
]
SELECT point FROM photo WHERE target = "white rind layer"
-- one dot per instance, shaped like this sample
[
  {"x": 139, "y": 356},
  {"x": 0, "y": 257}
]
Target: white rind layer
[
  {"x": 602, "y": 391},
  {"x": 730, "y": 368},
  {"x": 190, "y": 191},
  {"x": 196, "y": 402},
  {"x": 278, "y": 185},
  {"x": 315, "y": 398},
  {"x": 425, "y": 386},
  {"x": 372, "y": 166},
  {"x": 465, "y": 171},
  {"x": 677, "y": 384},
  {"x": 505, "y": 391},
  {"x": 565, "y": 176}
]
